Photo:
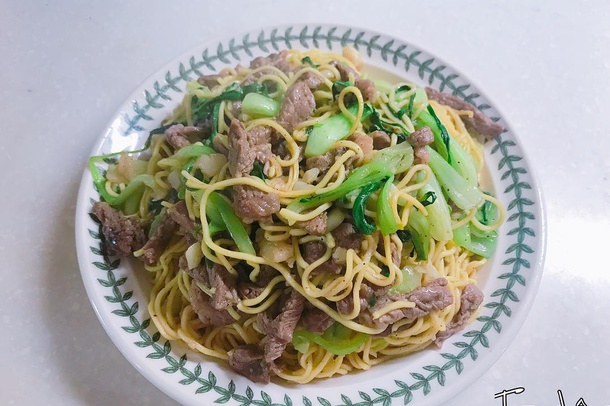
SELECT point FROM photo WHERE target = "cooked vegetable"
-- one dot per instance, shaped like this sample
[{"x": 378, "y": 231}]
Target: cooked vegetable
[
  {"x": 385, "y": 217},
  {"x": 419, "y": 228},
  {"x": 362, "y": 222},
  {"x": 483, "y": 246},
  {"x": 463, "y": 194},
  {"x": 330, "y": 130},
  {"x": 439, "y": 217},
  {"x": 411, "y": 279},
  {"x": 257, "y": 105},
  {"x": 220, "y": 212},
  {"x": 337, "y": 339}
]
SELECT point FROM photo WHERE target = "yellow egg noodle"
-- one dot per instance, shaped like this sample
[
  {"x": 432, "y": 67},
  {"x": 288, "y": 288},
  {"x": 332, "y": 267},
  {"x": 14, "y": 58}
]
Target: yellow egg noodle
[{"x": 281, "y": 238}]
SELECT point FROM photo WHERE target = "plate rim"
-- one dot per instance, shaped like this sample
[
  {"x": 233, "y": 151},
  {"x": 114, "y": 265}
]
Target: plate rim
[{"x": 501, "y": 344}]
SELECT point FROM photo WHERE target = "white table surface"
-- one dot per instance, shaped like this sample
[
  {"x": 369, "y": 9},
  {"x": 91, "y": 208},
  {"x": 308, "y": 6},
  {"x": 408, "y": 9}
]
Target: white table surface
[{"x": 65, "y": 67}]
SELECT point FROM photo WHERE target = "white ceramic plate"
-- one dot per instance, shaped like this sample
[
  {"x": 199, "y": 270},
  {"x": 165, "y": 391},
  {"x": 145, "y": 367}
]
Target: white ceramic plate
[{"x": 118, "y": 290}]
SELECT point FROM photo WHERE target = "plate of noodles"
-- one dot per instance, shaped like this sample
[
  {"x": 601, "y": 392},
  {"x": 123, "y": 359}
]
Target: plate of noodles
[{"x": 310, "y": 215}]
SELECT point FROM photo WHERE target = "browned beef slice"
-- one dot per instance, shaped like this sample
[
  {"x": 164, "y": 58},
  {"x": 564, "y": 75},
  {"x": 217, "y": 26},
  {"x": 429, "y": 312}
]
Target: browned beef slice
[
  {"x": 220, "y": 147},
  {"x": 248, "y": 360},
  {"x": 396, "y": 256},
  {"x": 322, "y": 162},
  {"x": 223, "y": 284},
  {"x": 180, "y": 215},
  {"x": 208, "y": 315},
  {"x": 297, "y": 106},
  {"x": 381, "y": 139},
  {"x": 249, "y": 290},
  {"x": 155, "y": 246},
  {"x": 346, "y": 236},
  {"x": 367, "y": 87},
  {"x": 364, "y": 141},
  {"x": 311, "y": 80},
  {"x": 479, "y": 121},
  {"x": 279, "y": 331},
  {"x": 316, "y": 320},
  {"x": 179, "y": 136},
  {"x": 471, "y": 299},
  {"x": 251, "y": 204},
  {"x": 211, "y": 81},
  {"x": 276, "y": 60},
  {"x": 346, "y": 305},
  {"x": 315, "y": 226},
  {"x": 419, "y": 139},
  {"x": 314, "y": 250},
  {"x": 123, "y": 235},
  {"x": 434, "y": 296},
  {"x": 247, "y": 147}
]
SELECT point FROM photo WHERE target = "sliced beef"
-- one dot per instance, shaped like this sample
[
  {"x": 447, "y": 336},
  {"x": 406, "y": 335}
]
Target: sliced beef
[
  {"x": 208, "y": 315},
  {"x": 381, "y": 139},
  {"x": 479, "y": 121},
  {"x": 251, "y": 204},
  {"x": 123, "y": 234},
  {"x": 322, "y": 162},
  {"x": 366, "y": 87},
  {"x": 312, "y": 80},
  {"x": 279, "y": 330},
  {"x": 297, "y": 106},
  {"x": 396, "y": 255},
  {"x": 221, "y": 148},
  {"x": 249, "y": 290},
  {"x": 419, "y": 139},
  {"x": 223, "y": 284},
  {"x": 346, "y": 236},
  {"x": 365, "y": 142},
  {"x": 247, "y": 147},
  {"x": 218, "y": 279},
  {"x": 315, "y": 226},
  {"x": 248, "y": 360},
  {"x": 179, "y": 136},
  {"x": 471, "y": 299},
  {"x": 316, "y": 320},
  {"x": 180, "y": 215},
  {"x": 314, "y": 250},
  {"x": 211, "y": 81},
  {"x": 435, "y": 296},
  {"x": 366, "y": 294},
  {"x": 158, "y": 241},
  {"x": 276, "y": 60}
]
